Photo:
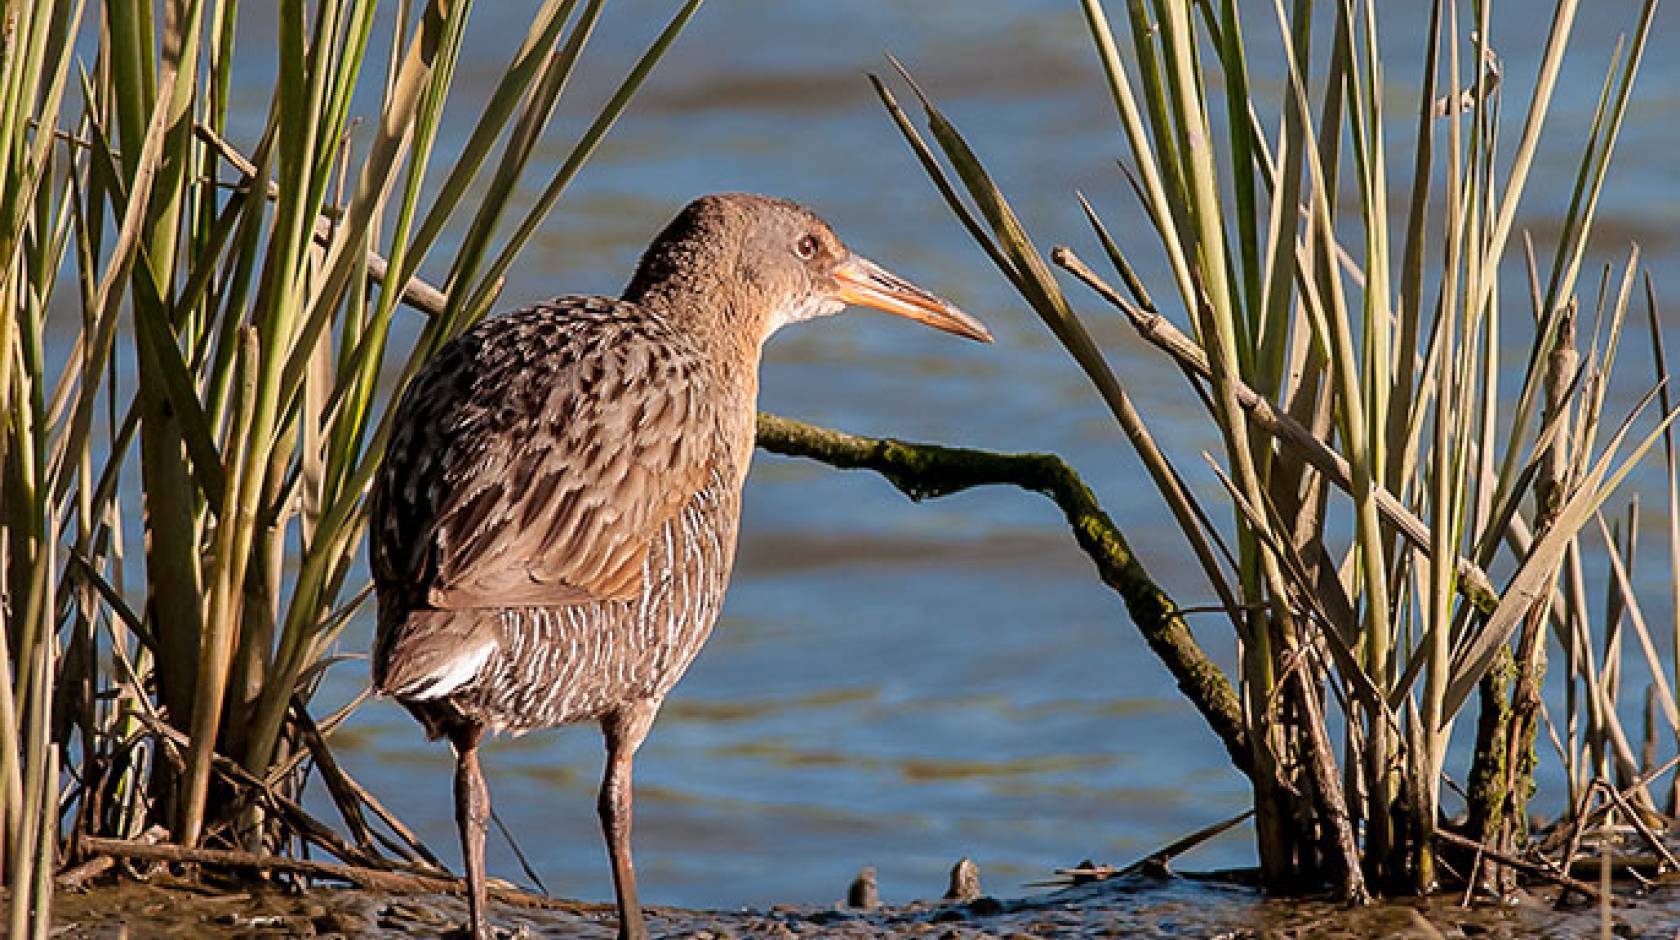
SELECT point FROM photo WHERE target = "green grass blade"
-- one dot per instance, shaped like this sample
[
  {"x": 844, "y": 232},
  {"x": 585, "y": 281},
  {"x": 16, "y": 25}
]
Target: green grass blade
[{"x": 478, "y": 298}]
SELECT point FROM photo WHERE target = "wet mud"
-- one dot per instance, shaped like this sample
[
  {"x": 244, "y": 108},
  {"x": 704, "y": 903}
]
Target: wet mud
[{"x": 1144, "y": 907}]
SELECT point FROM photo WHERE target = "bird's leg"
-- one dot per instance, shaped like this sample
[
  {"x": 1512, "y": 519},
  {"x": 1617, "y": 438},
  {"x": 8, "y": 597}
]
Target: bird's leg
[
  {"x": 624, "y": 731},
  {"x": 472, "y": 811}
]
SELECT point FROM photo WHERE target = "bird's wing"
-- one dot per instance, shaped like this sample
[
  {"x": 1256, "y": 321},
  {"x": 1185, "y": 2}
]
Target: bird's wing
[{"x": 535, "y": 459}]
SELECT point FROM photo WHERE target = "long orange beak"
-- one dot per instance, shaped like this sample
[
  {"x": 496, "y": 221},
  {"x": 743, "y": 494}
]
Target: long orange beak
[{"x": 867, "y": 284}]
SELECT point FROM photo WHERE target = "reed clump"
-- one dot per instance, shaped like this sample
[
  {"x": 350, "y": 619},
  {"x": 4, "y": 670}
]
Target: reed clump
[
  {"x": 194, "y": 314},
  {"x": 1353, "y": 342}
]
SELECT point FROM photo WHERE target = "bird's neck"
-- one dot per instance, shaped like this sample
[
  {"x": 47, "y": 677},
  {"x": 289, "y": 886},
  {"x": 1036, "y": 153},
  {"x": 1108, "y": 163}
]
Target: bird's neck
[
  {"x": 728, "y": 338},
  {"x": 735, "y": 381},
  {"x": 697, "y": 282},
  {"x": 727, "y": 335},
  {"x": 725, "y": 321},
  {"x": 693, "y": 284}
]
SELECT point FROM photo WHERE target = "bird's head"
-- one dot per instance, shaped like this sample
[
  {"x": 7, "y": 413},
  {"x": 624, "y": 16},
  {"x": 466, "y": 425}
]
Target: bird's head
[{"x": 773, "y": 262}]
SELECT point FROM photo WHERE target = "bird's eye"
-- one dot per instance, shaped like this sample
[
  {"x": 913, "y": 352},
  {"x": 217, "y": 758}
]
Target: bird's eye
[{"x": 806, "y": 249}]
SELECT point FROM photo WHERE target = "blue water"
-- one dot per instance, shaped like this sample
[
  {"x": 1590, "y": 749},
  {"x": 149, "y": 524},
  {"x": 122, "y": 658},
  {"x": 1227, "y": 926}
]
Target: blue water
[{"x": 900, "y": 685}]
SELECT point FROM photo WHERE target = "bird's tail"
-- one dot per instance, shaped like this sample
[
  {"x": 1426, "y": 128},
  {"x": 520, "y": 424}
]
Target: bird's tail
[{"x": 424, "y": 655}]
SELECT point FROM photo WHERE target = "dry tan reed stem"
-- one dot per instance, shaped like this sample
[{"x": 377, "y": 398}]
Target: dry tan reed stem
[{"x": 370, "y": 878}]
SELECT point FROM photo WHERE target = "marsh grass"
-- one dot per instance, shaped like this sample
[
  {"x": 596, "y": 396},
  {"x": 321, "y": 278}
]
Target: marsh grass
[
  {"x": 219, "y": 317},
  {"x": 1351, "y": 340}
]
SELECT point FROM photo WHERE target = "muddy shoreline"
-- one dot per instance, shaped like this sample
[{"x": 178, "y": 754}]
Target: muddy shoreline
[{"x": 1134, "y": 906}]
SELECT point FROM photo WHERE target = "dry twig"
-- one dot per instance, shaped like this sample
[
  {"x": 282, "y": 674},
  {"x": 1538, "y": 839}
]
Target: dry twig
[
  {"x": 373, "y": 879},
  {"x": 1521, "y": 864}
]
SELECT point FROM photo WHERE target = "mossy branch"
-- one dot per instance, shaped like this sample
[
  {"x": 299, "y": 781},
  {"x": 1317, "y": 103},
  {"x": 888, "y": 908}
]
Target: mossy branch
[{"x": 925, "y": 471}]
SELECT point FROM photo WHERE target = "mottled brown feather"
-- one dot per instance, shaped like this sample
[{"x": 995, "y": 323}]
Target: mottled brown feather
[{"x": 538, "y": 454}]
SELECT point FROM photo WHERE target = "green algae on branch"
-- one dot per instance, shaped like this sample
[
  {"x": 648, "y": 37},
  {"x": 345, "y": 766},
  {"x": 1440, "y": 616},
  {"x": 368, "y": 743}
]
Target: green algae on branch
[{"x": 927, "y": 471}]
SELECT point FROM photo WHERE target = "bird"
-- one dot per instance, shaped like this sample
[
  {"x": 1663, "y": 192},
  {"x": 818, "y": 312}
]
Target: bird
[{"x": 554, "y": 523}]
